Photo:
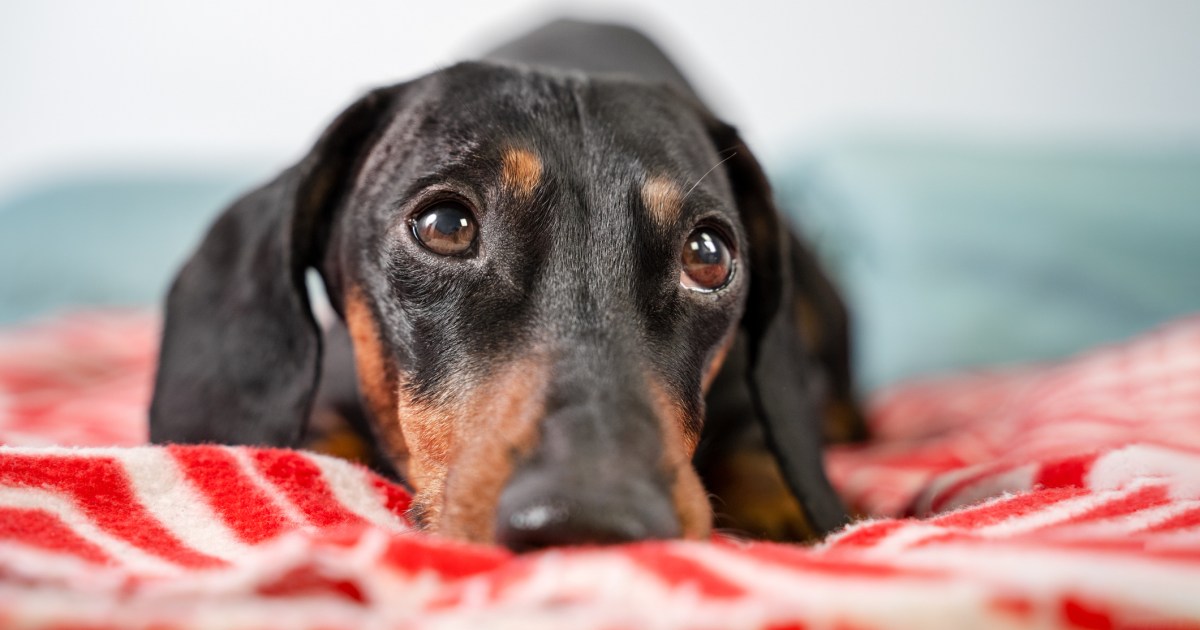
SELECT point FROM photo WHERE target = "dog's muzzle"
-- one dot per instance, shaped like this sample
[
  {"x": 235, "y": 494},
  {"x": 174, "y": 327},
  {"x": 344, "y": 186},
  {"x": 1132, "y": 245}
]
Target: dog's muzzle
[{"x": 576, "y": 491}]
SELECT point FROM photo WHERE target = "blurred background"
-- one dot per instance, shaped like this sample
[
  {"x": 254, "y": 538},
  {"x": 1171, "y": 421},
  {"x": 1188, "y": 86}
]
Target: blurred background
[{"x": 991, "y": 181}]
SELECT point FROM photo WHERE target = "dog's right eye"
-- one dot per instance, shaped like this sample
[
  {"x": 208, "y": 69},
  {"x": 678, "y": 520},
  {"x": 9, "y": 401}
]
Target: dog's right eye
[
  {"x": 447, "y": 228},
  {"x": 707, "y": 263}
]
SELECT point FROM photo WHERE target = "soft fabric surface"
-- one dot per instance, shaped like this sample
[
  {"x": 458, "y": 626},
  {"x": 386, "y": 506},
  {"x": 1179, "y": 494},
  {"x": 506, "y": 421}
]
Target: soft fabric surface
[{"x": 1054, "y": 496}]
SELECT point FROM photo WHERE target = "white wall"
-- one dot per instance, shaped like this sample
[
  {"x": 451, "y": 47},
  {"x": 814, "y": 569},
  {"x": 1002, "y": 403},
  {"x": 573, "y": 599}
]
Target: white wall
[{"x": 113, "y": 83}]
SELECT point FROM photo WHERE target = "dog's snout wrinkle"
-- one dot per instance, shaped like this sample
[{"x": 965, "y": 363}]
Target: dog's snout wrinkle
[{"x": 598, "y": 428}]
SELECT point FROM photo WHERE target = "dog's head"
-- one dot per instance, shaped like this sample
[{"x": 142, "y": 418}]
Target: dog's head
[{"x": 541, "y": 274}]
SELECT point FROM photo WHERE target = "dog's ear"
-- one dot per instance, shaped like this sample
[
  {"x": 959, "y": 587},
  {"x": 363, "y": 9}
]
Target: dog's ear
[
  {"x": 787, "y": 381},
  {"x": 241, "y": 351},
  {"x": 824, "y": 326}
]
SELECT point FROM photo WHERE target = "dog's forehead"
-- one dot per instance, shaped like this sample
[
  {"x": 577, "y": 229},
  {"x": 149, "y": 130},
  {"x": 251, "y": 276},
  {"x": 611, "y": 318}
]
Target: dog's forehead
[{"x": 607, "y": 129}]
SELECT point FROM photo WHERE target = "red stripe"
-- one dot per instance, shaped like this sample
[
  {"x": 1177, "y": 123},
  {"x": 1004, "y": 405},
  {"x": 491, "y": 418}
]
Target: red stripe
[
  {"x": 1086, "y": 615},
  {"x": 1018, "y": 606},
  {"x": 396, "y": 500},
  {"x": 38, "y": 528},
  {"x": 300, "y": 480},
  {"x": 678, "y": 571},
  {"x": 1184, "y": 520},
  {"x": 1065, "y": 473},
  {"x": 929, "y": 459},
  {"x": 1138, "y": 547},
  {"x": 307, "y": 581},
  {"x": 220, "y": 479},
  {"x": 1087, "y": 550},
  {"x": 499, "y": 579},
  {"x": 449, "y": 559},
  {"x": 949, "y": 537},
  {"x": 1005, "y": 509},
  {"x": 101, "y": 490},
  {"x": 868, "y": 534},
  {"x": 786, "y": 625},
  {"x": 1140, "y": 499},
  {"x": 804, "y": 559}
]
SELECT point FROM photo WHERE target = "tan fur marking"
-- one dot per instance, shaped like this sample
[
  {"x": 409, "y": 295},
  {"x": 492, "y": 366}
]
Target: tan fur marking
[
  {"x": 376, "y": 379},
  {"x": 754, "y": 498},
  {"x": 687, "y": 492},
  {"x": 716, "y": 360},
  {"x": 427, "y": 431},
  {"x": 344, "y": 444},
  {"x": 521, "y": 171},
  {"x": 663, "y": 198},
  {"x": 462, "y": 455}
]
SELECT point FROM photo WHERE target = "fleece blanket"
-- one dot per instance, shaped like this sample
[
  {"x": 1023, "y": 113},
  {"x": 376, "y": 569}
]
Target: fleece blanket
[{"x": 1052, "y": 496}]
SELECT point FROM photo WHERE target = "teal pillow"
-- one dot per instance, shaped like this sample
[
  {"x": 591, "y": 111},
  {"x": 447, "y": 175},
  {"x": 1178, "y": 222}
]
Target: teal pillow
[
  {"x": 104, "y": 240},
  {"x": 959, "y": 256}
]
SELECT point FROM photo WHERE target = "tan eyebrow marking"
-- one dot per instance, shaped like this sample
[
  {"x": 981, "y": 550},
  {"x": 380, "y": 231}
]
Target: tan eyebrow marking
[
  {"x": 521, "y": 171},
  {"x": 663, "y": 198}
]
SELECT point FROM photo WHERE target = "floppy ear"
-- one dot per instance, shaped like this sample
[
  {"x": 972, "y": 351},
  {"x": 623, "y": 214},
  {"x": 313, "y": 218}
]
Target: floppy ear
[
  {"x": 824, "y": 326},
  {"x": 787, "y": 382},
  {"x": 241, "y": 352}
]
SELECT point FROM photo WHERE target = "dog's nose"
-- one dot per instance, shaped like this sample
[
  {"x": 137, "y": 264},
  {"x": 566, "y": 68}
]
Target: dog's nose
[
  {"x": 554, "y": 524},
  {"x": 528, "y": 520}
]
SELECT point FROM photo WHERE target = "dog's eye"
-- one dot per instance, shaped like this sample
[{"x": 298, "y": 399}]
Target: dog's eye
[
  {"x": 447, "y": 228},
  {"x": 707, "y": 263}
]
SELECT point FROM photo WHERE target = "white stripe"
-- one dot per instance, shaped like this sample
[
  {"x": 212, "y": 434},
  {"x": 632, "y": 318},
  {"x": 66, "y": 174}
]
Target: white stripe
[
  {"x": 352, "y": 488},
  {"x": 1121, "y": 467},
  {"x": 26, "y": 439},
  {"x": 1125, "y": 580},
  {"x": 44, "y": 607},
  {"x": 66, "y": 511},
  {"x": 830, "y": 597},
  {"x": 289, "y": 509},
  {"x": 163, "y": 490},
  {"x": 617, "y": 589},
  {"x": 71, "y": 451},
  {"x": 32, "y": 565}
]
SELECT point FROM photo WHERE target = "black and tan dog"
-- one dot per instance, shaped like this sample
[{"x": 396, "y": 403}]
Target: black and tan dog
[{"x": 573, "y": 309}]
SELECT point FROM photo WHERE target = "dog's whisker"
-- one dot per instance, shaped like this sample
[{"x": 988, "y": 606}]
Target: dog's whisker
[
  {"x": 735, "y": 535},
  {"x": 714, "y": 167}
]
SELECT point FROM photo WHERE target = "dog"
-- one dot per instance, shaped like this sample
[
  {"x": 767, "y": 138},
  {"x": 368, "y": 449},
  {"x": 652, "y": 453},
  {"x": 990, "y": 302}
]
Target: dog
[{"x": 568, "y": 309}]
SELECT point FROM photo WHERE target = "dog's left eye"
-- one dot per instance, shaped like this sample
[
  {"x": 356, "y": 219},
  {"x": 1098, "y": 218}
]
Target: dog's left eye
[
  {"x": 707, "y": 262},
  {"x": 447, "y": 228}
]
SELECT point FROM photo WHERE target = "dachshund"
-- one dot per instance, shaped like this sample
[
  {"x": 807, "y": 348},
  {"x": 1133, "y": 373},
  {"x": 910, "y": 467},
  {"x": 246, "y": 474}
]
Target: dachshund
[{"x": 567, "y": 308}]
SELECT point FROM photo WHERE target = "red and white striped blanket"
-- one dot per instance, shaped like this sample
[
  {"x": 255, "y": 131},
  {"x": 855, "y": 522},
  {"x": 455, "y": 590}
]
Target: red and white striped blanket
[{"x": 1052, "y": 496}]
